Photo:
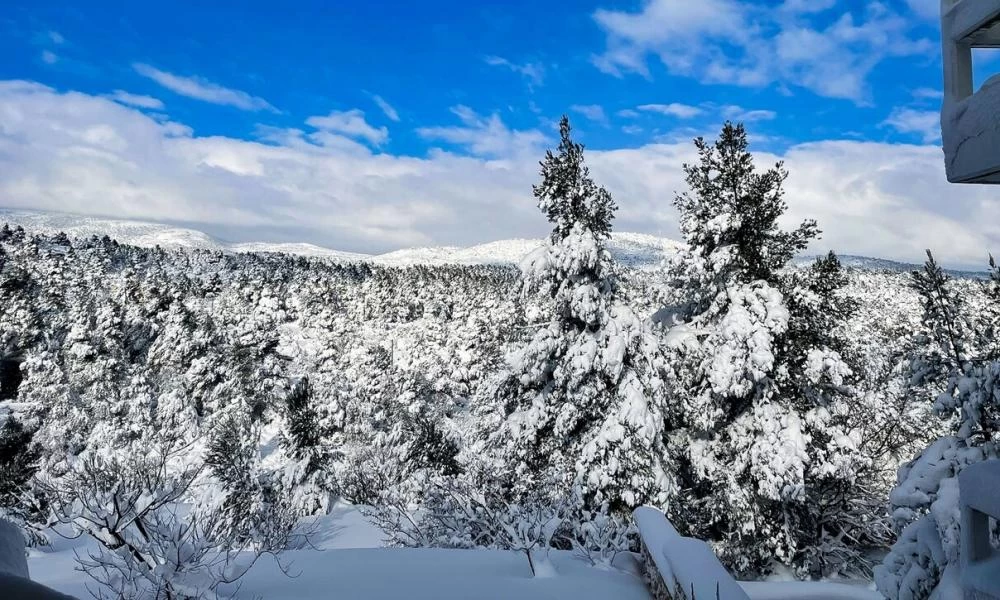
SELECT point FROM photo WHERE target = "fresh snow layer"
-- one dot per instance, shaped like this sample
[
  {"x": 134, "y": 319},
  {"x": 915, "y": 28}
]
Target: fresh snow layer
[
  {"x": 348, "y": 563},
  {"x": 434, "y": 574},
  {"x": 807, "y": 590},
  {"x": 695, "y": 567}
]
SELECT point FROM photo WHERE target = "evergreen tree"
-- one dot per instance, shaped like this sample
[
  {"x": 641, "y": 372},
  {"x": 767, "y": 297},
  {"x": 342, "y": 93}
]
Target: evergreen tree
[
  {"x": 945, "y": 333},
  {"x": 955, "y": 365},
  {"x": 308, "y": 476},
  {"x": 760, "y": 415},
  {"x": 582, "y": 401},
  {"x": 252, "y": 502},
  {"x": 729, "y": 219},
  {"x": 18, "y": 463}
]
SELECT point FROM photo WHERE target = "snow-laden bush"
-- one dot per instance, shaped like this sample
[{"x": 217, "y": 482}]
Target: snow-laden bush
[
  {"x": 599, "y": 536},
  {"x": 481, "y": 512},
  {"x": 137, "y": 503},
  {"x": 456, "y": 514}
]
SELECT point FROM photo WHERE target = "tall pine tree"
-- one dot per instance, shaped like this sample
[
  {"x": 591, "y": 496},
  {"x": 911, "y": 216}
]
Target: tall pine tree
[
  {"x": 759, "y": 417},
  {"x": 582, "y": 401}
]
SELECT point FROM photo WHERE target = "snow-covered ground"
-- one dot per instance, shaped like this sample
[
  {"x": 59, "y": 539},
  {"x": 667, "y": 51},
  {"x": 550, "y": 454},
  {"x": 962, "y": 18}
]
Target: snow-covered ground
[{"x": 348, "y": 562}]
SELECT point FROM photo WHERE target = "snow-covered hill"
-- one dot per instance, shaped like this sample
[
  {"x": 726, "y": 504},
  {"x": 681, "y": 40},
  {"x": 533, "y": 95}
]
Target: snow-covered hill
[
  {"x": 637, "y": 250},
  {"x": 634, "y": 249},
  {"x": 867, "y": 263},
  {"x": 136, "y": 233},
  {"x": 297, "y": 248}
]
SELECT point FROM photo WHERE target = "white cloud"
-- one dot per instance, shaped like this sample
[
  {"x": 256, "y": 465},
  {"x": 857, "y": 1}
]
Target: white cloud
[
  {"x": 594, "y": 112},
  {"x": 925, "y": 124},
  {"x": 927, "y": 9},
  {"x": 486, "y": 136},
  {"x": 350, "y": 123},
  {"x": 928, "y": 94},
  {"x": 49, "y": 57},
  {"x": 201, "y": 89},
  {"x": 627, "y": 113},
  {"x": 807, "y": 6},
  {"x": 387, "y": 108},
  {"x": 533, "y": 72},
  {"x": 753, "y": 45},
  {"x": 681, "y": 111},
  {"x": 665, "y": 27},
  {"x": 890, "y": 200},
  {"x": 136, "y": 100},
  {"x": 86, "y": 154},
  {"x": 632, "y": 129},
  {"x": 56, "y": 38},
  {"x": 738, "y": 113}
]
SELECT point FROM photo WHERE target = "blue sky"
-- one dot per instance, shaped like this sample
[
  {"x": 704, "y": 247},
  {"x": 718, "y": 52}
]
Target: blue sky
[
  {"x": 530, "y": 61},
  {"x": 426, "y": 119}
]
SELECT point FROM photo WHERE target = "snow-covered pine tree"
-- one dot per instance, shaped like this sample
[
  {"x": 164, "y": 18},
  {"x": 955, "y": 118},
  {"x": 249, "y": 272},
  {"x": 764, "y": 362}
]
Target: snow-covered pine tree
[
  {"x": 759, "y": 408},
  {"x": 956, "y": 365},
  {"x": 252, "y": 509},
  {"x": 308, "y": 476},
  {"x": 582, "y": 401},
  {"x": 18, "y": 463}
]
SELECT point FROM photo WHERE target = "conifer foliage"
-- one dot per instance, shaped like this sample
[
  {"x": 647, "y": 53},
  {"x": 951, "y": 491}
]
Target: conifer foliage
[
  {"x": 583, "y": 399},
  {"x": 758, "y": 419},
  {"x": 955, "y": 365}
]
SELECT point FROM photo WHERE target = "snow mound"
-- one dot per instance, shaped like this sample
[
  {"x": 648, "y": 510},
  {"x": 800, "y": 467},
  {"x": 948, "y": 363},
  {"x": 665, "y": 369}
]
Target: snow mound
[{"x": 435, "y": 574}]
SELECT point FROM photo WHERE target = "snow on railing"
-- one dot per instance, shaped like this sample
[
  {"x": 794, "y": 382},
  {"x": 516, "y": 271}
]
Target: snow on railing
[
  {"x": 12, "y": 558},
  {"x": 14, "y": 581},
  {"x": 683, "y": 568},
  {"x": 978, "y": 486}
]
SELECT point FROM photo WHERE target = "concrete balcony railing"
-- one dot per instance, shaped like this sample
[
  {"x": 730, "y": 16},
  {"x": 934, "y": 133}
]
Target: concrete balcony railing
[{"x": 970, "y": 121}]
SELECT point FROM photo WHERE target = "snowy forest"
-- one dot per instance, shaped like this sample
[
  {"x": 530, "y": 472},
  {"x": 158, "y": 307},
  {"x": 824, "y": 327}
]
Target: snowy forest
[{"x": 178, "y": 406}]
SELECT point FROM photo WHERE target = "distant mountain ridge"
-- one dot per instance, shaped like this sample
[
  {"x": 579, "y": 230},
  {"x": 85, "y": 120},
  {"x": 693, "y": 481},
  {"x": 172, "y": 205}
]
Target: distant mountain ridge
[
  {"x": 638, "y": 250},
  {"x": 634, "y": 249},
  {"x": 868, "y": 263}
]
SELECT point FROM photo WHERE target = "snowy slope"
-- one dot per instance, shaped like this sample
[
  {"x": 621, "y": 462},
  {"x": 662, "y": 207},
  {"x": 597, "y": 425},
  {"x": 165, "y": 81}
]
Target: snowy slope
[
  {"x": 633, "y": 249},
  {"x": 300, "y": 249},
  {"x": 867, "y": 263}
]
